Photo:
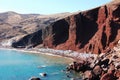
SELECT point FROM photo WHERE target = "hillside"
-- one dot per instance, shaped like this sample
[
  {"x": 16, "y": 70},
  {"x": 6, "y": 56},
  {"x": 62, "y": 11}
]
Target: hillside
[
  {"x": 96, "y": 30},
  {"x": 13, "y": 24}
]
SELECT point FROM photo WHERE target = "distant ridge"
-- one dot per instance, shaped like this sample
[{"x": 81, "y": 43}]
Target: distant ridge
[{"x": 13, "y": 24}]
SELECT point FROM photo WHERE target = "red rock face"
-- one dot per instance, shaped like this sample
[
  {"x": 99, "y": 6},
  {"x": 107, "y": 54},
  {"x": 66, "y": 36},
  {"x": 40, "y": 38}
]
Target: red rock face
[{"x": 93, "y": 31}]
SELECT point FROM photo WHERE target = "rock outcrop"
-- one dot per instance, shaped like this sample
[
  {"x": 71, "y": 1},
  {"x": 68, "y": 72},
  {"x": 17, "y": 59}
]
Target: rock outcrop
[
  {"x": 95, "y": 31},
  {"x": 106, "y": 66}
]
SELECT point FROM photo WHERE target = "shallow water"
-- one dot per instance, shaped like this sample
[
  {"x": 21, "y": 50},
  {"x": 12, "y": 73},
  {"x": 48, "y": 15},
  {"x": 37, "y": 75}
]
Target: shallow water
[{"x": 15, "y": 65}]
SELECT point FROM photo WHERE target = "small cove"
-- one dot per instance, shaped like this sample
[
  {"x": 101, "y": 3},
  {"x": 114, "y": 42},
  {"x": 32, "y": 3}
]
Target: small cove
[{"x": 16, "y": 65}]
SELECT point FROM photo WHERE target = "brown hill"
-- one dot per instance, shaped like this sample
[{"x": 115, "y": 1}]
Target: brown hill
[
  {"x": 95, "y": 31},
  {"x": 13, "y": 24}
]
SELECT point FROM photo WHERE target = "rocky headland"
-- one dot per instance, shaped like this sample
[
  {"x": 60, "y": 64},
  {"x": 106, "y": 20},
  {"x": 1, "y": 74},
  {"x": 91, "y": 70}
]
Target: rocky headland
[{"x": 105, "y": 67}]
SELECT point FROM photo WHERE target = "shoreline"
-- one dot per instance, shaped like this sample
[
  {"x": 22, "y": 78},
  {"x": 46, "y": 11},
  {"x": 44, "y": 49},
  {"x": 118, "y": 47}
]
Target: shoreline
[
  {"x": 35, "y": 52},
  {"x": 30, "y": 51},
  {"x": 73, "y": 55},
  {"x": 94, "y": 67}
]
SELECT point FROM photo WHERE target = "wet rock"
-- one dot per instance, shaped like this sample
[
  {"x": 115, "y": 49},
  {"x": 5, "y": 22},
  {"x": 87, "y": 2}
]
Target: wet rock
[
  {"x": 115, "y": 57},
  {"x": 102, "y": 62},
  {"x": 105, "y": 62},
  {"x": 117, "y": 74},
  {"x": 117, "y": 65},
  {"x": 72, "y": 79},
  {"x": 108, "y": 76},
  {"x": 105, "y": 69},
  {"x": 68, "y": 76},
  {"x": 111, "y": 68},
  {"x": 79, "y": 66},
  {"x": 70, "y": 67},
  {"x": 87, "y": 75},
  {"x": 43, "y": 74},
  {"x": 34, "y": 78},
  {"x": 118, "y": 78},
  {"x": 97, "y": 70}
]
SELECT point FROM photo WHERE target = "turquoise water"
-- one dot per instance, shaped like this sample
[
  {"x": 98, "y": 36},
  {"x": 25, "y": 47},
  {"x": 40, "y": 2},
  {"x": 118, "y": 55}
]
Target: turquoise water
[{"x": 15, "y": 65}]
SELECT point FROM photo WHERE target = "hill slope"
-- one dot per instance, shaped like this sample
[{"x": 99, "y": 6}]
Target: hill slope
[
  {"x": 95, "y": 31},
  {"x": 13, "y": 24}
]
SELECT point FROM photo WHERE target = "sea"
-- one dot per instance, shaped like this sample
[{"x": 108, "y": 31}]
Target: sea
[{"x": 17, "y": 65}]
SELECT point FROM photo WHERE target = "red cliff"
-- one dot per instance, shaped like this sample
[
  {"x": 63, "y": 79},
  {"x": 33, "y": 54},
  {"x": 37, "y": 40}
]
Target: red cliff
[{"x": 94, "y": 30}]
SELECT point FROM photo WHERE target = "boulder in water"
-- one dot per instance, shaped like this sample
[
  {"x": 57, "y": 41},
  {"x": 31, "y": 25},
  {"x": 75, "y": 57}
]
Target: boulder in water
[
  {"x": 34, "y": 78},
  {"x": 43, "y": 74}
]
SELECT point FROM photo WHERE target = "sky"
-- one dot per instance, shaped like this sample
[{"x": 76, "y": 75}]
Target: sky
[{"x": 48, "y": 6}]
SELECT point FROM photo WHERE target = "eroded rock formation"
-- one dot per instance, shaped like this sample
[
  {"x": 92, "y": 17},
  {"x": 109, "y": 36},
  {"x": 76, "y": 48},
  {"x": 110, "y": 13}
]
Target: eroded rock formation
[
  {"x": 105, "y": 67},
  {"x": 95, "y": 30}
]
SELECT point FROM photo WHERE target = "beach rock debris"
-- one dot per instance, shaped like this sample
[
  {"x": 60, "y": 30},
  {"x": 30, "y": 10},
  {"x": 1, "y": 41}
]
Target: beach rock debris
[{"x": 106, "y": 66}]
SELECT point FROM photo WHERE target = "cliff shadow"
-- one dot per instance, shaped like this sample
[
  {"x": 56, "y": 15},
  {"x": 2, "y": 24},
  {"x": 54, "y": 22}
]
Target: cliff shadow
[
  {"x": 114, "y": 31},
  {"x": 86, "y": 27},
  {"x": 30, "y": 40},
  {"x": 60, "y": 31}
]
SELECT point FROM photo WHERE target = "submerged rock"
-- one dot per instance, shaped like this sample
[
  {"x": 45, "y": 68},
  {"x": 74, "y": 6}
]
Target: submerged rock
[
  {"x": 34, "y": 78},
  {"x": 43, "y": 74}
]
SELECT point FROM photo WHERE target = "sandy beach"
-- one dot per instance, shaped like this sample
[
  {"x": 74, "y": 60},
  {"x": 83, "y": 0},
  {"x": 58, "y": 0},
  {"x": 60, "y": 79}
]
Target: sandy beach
[{"x": 73, "y": 55}]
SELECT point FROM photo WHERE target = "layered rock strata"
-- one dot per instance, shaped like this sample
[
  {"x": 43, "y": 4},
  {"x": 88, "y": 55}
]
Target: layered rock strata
[{"x": 95, "y": 31}]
